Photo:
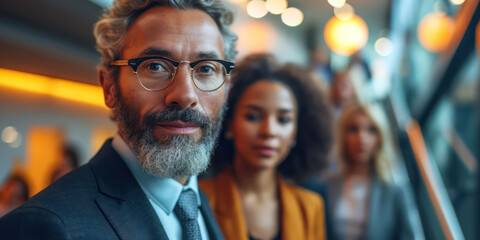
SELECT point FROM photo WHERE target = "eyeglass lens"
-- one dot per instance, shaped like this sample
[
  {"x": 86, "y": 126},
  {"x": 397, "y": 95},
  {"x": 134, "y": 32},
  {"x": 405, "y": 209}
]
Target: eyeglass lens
[{"x": 158, "y": 74}]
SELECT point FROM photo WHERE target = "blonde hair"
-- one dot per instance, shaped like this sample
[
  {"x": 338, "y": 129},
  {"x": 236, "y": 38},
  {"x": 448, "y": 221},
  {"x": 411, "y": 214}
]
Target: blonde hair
[
  {"x": 382, "y": 163},
  {"x": 110, "y": 30}
]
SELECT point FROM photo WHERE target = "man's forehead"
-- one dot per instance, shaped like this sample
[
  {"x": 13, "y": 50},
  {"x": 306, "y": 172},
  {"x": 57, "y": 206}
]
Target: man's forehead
[
  {"x": 166, "y": 31},
  {"x": 165, "y": 14}
]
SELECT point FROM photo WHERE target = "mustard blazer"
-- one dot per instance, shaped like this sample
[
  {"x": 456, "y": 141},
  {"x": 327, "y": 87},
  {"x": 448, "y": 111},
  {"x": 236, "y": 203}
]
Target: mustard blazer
[{"x": 302, "y": 211}]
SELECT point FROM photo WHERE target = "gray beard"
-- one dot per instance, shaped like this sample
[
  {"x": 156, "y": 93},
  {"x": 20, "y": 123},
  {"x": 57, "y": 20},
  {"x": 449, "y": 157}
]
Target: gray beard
[
  {"x": 181, "y": 157},
  {"x": 176, "y": 156}
]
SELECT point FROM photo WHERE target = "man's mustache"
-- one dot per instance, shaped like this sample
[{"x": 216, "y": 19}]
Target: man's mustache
[{"x": 187, "y": 115}]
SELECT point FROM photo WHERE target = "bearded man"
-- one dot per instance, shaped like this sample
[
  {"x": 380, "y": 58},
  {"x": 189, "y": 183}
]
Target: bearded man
[{"x": 165, "y": 74}]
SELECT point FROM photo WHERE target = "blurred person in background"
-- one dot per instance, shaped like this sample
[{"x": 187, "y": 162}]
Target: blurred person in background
[
  {"x": 320, "y": 65},
  {"x": 276, "y": 131},
  {"x": 351, "y": 85},
  {"x": 68, "y": 162},
  {"x": 13, "y": 193},
  {"x": 342, "y": 92},
  {"x": 360, "y": 67},
  {"x": 165, "y": 75},
  {"x": 364, "y": 202}
]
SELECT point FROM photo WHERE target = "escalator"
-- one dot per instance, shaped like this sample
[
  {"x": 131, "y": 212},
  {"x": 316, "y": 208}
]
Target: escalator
[{"x": 437, "y": 131}]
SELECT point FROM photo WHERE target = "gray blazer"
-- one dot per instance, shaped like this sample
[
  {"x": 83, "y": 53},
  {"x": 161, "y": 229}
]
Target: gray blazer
[
  {"x": 100, "y": 200},
  {"x": 392, "y": 214}
]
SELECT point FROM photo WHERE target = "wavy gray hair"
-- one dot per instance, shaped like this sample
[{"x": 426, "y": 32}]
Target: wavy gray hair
[{"x": 111, "y": 28}]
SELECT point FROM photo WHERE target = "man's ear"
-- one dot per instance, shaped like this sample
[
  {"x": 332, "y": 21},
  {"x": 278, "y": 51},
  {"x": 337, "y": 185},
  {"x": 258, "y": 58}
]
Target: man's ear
[
  {"x": 108, "y": 85},
  {"x": 228, "y": 80}
]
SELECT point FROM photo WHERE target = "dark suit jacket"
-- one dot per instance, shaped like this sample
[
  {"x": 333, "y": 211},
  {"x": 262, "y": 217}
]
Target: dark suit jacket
[
  {"x": 391, "y": 216},
  {"x": 100, "y": 200}
]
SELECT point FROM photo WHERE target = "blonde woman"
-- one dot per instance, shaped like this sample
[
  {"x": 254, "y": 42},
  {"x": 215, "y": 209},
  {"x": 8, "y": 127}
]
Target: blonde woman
[{"x": 364, "y": 202}]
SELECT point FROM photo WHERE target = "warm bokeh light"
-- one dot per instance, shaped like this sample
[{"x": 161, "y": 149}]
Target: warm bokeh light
[
  {"x": 344, "y": 13},
  {"x": 383, "y": 46},
  {"x": 336, "y": 3},
  {"x": 276, "y": 6},
  {"x": 74, "y": 91},
  {"x": 457, "y": 2},
  {"x": 9, "y": 134},
  {"x": 292, "y": 17},
  {"x": 256, "y": 9},
  {"x": 258, "y": 37},
  {"x": 346, "y": 37},
  {"x": 435, "y": 31}
]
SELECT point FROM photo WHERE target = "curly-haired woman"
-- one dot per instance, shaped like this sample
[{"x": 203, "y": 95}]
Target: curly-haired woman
[{"x": 277, "y": 127}]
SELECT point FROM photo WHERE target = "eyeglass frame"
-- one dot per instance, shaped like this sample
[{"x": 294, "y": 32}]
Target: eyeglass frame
[{"x": 135, "y": 62}]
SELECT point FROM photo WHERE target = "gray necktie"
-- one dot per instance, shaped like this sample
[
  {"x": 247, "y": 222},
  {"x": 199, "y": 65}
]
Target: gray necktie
[{"x": 187, "y": 212}]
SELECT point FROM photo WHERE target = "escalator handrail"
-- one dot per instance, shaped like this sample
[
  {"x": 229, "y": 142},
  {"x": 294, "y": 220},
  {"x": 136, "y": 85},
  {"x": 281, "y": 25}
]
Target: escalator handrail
[{"x": 434, "y": 184}]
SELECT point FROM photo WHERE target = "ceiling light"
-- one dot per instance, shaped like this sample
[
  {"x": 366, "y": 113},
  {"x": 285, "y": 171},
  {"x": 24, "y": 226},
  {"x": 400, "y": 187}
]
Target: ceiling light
[
  {"x": 435, "y": 31},
  {"x": 346, "y": 37},
  {"x": 292, "y": 17},
  {"x": 256, "y": 9},
  {"x": 384, "y": 47},
  {"x": 9, "y": 134},
  {"x": 276, "y": 6}
]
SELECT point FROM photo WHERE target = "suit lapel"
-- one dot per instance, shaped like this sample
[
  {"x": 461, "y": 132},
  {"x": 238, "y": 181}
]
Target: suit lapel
[
  {"x": 228, "y": 207},
  {"x": 130, "y": 220},
  {"x": 291, "y": 214},
  {"x": 214, "y": 231},
  {"x": 122, "y": 201}
]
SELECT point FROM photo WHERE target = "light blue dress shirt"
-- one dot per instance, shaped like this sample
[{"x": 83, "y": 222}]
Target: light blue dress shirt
[{"x": 163, "y": 193}]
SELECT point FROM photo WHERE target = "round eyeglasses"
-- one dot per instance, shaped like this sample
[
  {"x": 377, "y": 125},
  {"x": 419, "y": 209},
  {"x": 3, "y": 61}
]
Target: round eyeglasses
[{"x": 158, "y": 73}]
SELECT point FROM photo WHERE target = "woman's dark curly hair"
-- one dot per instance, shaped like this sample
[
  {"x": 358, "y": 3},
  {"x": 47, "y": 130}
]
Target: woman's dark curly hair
[{"x": 314, "y": 124}]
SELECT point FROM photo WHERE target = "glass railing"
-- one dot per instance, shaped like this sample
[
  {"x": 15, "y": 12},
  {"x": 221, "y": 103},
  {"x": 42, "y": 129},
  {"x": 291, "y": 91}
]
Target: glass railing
[{"x": 438, "y": 132}]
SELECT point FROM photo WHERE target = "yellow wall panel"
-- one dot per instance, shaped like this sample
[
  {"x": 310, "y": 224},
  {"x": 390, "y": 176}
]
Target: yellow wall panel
[
  {"x": 43, "y": 150},
  {"x": 99, "y": 135}
]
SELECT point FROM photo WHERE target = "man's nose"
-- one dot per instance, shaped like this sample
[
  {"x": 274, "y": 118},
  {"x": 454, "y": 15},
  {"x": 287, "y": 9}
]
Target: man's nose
[{"x": 182, "y": 92}]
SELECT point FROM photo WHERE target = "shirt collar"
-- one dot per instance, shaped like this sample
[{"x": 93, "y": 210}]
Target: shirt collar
[{"x": 163, "y": 191}]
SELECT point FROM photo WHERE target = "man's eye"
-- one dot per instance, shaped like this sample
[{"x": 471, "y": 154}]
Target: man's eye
[
  {"x": 155, "y": 67},
  {"x": 206, "y": 68}
]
